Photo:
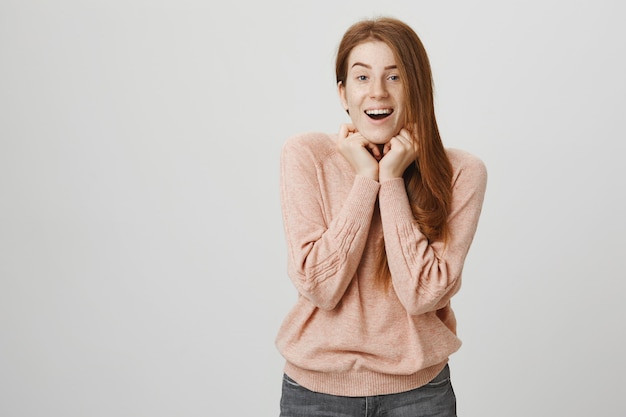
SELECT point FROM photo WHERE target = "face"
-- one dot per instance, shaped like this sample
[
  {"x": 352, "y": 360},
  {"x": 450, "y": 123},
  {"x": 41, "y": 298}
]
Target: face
[{"x": 373, "y": 92}]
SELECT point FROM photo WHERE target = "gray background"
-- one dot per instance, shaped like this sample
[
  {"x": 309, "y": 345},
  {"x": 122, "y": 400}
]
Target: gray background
[{"x": 142, "y": 256}]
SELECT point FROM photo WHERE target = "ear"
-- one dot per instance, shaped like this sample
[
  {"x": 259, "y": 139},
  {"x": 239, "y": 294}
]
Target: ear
[{"x": 341, "y": 90}]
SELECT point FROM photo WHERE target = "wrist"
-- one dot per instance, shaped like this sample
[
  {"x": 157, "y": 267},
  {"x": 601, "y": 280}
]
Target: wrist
[
  {"x": 373, "y": 174},
  {"x": 388, "y": 175}
]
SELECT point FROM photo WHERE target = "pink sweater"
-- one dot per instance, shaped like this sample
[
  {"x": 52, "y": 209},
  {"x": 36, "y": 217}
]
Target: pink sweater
[{"x": 346, "y": 335}]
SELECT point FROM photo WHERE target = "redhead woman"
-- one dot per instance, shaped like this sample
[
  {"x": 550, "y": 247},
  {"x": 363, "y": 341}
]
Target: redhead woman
[{"x": 379, "y": 219}]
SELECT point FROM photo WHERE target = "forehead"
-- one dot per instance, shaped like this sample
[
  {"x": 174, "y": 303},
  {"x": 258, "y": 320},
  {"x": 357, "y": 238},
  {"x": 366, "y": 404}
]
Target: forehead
[{"x": 372, "y": 53}]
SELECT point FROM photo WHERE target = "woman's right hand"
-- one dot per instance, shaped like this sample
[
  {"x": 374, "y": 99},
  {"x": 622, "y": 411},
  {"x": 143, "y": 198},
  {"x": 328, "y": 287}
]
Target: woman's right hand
[{"x": 358, "y": 151}]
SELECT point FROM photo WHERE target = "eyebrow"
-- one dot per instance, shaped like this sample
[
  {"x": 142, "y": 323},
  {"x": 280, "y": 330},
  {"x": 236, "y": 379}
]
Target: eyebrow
[{"x": 370, "y": 67}]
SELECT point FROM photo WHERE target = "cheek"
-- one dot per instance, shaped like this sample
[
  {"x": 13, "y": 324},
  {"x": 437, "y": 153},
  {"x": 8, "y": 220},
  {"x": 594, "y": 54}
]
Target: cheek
[
  {"x": 354, "y": 96},
  {"x": 402, "y": 115}
]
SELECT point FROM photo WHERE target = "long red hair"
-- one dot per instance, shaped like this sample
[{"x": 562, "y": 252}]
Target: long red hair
[{"x": 428, "y": 180}]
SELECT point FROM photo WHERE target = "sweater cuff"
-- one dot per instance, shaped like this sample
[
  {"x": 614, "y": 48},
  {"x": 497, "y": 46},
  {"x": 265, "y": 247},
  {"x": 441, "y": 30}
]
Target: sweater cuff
[
  {"x": 362, "y": 198},
  {"x": 394, "y": 200}
]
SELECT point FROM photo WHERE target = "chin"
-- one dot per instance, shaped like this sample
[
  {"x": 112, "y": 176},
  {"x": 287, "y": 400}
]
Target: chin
[
  {"x": 378, "y": 138},
  {"x": 380, "y": 141}
]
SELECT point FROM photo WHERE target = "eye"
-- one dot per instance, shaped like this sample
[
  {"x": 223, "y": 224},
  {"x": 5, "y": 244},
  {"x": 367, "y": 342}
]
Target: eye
[
  {"x": 394, "y": 77},
  {"x": 361, "y": 77}
]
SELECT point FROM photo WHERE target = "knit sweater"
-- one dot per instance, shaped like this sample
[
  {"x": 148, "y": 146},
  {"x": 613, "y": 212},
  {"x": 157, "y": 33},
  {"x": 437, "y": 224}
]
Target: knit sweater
[{"x": 347, "y": 335}]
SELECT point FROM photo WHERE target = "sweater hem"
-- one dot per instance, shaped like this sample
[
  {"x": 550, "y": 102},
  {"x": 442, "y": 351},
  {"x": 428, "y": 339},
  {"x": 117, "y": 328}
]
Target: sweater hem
[{"x": 360, "y": 384}]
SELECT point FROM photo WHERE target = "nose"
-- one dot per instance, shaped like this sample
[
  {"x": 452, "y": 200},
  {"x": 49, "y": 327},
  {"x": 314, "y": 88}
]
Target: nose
[{"x": 378, "y": 88}]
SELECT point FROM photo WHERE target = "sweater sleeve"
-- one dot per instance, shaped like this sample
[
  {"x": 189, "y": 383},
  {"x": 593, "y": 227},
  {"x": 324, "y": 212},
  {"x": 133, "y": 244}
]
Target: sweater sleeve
[
  {"x": 323, "y": 253},
  {"x": 426, "y": 275}
]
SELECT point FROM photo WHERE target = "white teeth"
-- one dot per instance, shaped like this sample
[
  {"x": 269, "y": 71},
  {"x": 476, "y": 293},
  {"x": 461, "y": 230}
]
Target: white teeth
[{"x": 378, "y": 111}]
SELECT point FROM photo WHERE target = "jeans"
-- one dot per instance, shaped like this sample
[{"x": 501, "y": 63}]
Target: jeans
[{"x": 435, "y": 399}]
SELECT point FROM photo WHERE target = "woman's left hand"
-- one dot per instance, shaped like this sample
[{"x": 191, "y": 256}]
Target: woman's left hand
[{"x": 398, "y": 153}]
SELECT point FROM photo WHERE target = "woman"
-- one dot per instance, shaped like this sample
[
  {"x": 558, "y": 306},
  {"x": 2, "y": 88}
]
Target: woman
[{"x": 379, "y": 219}]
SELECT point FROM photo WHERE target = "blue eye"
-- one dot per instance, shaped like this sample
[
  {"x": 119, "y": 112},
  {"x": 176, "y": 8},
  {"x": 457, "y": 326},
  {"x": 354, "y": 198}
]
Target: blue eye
[
  {"x": 361, "y": 77},
  {"x": 394, "y": 78}
]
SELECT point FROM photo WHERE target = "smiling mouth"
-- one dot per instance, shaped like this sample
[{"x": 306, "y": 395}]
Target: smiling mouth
[{"x": 378, "y": 114}]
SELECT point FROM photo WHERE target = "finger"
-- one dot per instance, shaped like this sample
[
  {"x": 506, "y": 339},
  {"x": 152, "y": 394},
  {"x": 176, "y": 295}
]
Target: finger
[
  {"x": 374, "y": 149},
  {"x": 347, "y": 129},
  {"x": 386, "y": 148},
  {"x": 413, "y": 135},
  {"x": 405, "y": 135},
  {"x": 344, "y": 130}
]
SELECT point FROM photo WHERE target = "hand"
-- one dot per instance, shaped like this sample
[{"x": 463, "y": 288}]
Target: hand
[
  {"x": 358, "y": 151},
  {"x": 398, "y": 153}
]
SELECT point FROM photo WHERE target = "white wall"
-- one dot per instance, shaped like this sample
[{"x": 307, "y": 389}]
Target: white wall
[{"x": 142, "y": 264}]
